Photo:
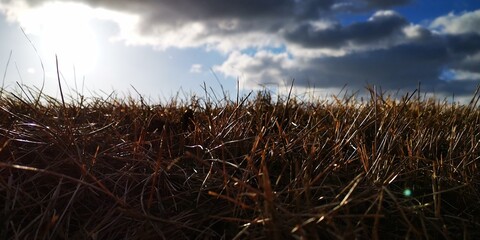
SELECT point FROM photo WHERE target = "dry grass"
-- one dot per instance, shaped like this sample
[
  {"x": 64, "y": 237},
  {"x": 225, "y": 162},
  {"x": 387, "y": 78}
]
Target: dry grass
[{"x": 250, "y": 168}]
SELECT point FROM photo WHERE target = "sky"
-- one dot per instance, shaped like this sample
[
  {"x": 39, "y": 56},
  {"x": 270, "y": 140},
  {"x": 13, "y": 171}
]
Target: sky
[{"x": 164, "y": 48}]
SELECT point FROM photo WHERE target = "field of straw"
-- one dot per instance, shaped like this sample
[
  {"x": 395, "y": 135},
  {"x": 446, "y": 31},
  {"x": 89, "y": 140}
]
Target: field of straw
[{"x": 245, "y": 168}]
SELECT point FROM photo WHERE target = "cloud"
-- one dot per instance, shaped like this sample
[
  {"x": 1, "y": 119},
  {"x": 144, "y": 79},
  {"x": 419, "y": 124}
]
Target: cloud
[
  {"x": 467, "y": 22},
  {"x": 367, "y": 5},
  {"x": 469, "y": 63},
  {"x": 262, "y": 68},
  {"x": 464, "y": 44},
  {"x": 465, "y": 75},
  {"x": 464, "y": 55},
  {"x": 392, "y": 68},
  {"x": 383, "y": 26},
  {"x": 386, "y": 3},
  {"x": 421, "y": 56},
  {"x": 215, "y": 24},
  {"x": 385, "y": 49}
]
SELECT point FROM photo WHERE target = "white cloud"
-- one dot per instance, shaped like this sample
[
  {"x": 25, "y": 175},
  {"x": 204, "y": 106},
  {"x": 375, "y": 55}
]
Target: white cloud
[
  {"x": 465, "y": 75},
  {"x": 415, "y": 32},
  {"x": 468, "y": 22},
  {"x": 262, "y": 68},
  {"x": 384, "y": 14}
]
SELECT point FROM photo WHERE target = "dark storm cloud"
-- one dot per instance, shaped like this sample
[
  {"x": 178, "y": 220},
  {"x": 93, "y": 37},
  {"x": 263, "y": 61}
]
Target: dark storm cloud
[
  {"x": 392, "y": 68},
  {"x": 224, "y": 22},
  {"x": 464, "y": 48},
  {"x": 468, "y": 43},
  {"x": 399, "y": 67},
  {"x": 368, "y": 5},
  {"x": 468, "y": 64},
  {"x": 211, "y": 9},
  {"x": 386, "y": 3},
  {"x": 232, "y": 8},
  {"x": 402, "y": 65},
  {"x": 376, "y": 29},
  {"x": 242, "y": 15},
  {"x": 460, "y": 88},
  {"x": 279, "y": 10},
  {"x": 176, "y": 12}
]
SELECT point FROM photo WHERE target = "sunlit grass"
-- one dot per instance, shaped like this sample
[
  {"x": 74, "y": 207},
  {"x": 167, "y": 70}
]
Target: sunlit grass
[{"x": 249, "y": 168}]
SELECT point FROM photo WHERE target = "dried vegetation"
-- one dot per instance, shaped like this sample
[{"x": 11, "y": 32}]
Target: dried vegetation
[{"x": 251, "y": 168}]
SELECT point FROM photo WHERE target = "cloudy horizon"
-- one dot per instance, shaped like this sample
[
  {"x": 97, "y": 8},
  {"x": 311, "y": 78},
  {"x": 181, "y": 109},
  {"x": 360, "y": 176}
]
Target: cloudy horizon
[{"x": 325, "y": 45}]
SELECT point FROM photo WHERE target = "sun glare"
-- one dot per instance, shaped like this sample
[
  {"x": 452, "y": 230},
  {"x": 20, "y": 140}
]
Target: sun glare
[{"x": 65, "y": 30}]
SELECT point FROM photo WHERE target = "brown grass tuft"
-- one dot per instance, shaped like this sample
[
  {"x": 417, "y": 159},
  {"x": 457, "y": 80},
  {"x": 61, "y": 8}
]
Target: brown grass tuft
[{"x": 253, "y": 168}]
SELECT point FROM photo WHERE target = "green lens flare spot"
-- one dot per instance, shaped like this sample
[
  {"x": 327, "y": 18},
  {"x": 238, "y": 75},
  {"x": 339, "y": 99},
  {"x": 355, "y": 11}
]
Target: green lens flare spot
[{"x": 407, "y": 192}]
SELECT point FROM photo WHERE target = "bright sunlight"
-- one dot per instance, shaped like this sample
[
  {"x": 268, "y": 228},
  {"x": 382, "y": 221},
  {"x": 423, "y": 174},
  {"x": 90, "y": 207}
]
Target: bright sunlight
[{"x": 65, "y": 30}]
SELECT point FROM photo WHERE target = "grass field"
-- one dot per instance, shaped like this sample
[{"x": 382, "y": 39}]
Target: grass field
[{"x": 244, "y": 168}]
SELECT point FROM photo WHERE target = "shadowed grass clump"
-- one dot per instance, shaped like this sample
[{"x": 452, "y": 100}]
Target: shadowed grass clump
[{"x": 253, "y": 168}]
